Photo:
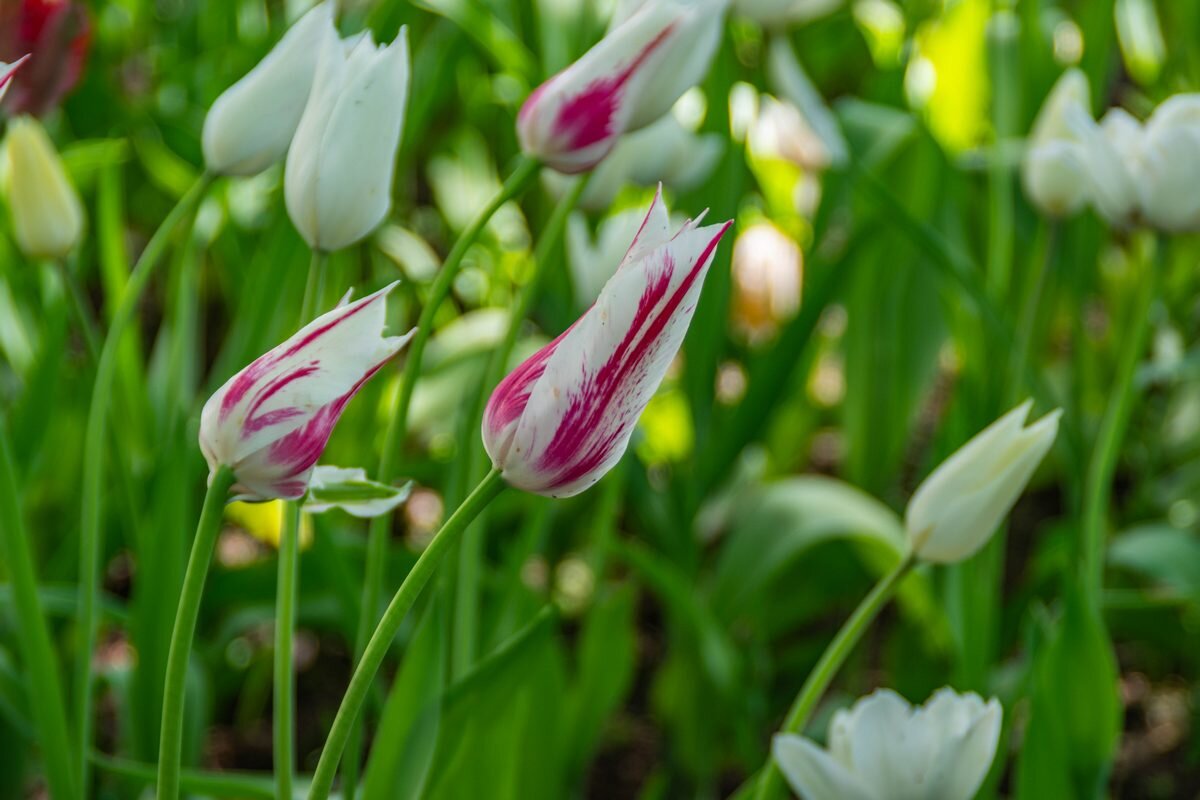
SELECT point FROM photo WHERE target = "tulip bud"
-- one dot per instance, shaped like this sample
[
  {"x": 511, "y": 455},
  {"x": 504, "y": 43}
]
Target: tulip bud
[
  {"x": 8, "y": 72},
  {"x": 338, "y": 179},
  {"x": 46, "y": 213},
  {"x": 884, "y": 748},
  {"x": 1054, "y": 169},
  {"x": 251, "y": 124},
  {"x": 1112, "y": 151},
  {"x": 960, "y": 505},
  {"x": 628, "y": 80},
  {"x": 564, "y": 417},
  {"x": 271, "y": 421},
  {"x": 1170, "y": 165}
]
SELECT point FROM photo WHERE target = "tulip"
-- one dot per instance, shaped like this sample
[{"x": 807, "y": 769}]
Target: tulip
[
  {"x": 1170, "y": 165},
  {"x": 957, "y": 508},
  {"x": 884, "y": 749},
  {"x": 564, "y": 417},
  {"x": 776, "y": 13},
  {"x": 251, "y": 124},
  {"x": 8, "y": 72},
  {"x": 270, "y": 422},
  {"x": 768, "y": 271},
  {"x": 1113, "y": 152},
  {"x": 46, "y": 213},
  {"x": 56, "y": 33},
  {"x": 630, "y": 78},
  {"x": 338, "y": 180},
  {"x": 1054, "y": 170}
]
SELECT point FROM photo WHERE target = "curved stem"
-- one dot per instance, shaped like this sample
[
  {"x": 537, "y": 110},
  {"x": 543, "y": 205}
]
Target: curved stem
[
  {"x": 94, "y": 451},
  {"x": 285, "y": 625},
  {"x": 41, "y": 666},
  {"x": 170, "y": 746},
  {"x": 314, "y": 287},
  {"x": 381, "y": 639},
  {"x": 1103, "y": 464},
  {"x": 397, "y": 429},
  {"x": 831, "y": 661}
]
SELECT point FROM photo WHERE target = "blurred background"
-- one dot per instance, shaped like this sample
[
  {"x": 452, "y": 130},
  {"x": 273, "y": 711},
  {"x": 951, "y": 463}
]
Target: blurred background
[{"x": 886, "y": 292}]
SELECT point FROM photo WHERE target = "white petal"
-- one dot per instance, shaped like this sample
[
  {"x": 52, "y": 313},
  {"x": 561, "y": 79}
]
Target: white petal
[
  {"x": 814, "y": 775},
  {"x": 967, "y": 749}
]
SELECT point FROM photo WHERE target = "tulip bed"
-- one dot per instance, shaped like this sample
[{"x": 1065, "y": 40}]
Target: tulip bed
[{"x": 620, "y": 399}]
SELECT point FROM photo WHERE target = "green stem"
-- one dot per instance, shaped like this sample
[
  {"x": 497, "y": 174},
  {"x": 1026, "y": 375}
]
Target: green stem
[
  {"x": 381, "y": 639},
  {"x": 831, "y": 661},
  {"x": 284, "y": 706},
  {"x": 41, "y": 666},
  {"x": 91, "y": 542},
  {"x": 466, "y": 601},
  {"x": 170, "y": 747},
  {"x": 314, "y": 287},
  {"x": 87, "y": 322},
  {"x": 397, "y": 429},
  {"x": 1102, "y": 467}
]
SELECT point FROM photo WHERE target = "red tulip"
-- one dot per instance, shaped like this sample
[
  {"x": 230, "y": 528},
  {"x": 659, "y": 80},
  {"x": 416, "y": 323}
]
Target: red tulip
[{"x": 56, "y": 33}]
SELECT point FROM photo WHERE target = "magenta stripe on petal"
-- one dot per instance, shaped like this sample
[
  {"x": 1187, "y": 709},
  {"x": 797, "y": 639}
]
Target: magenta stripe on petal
[
  {"x": 586, "y": 118},
  {"x": 569, "y": 455}
]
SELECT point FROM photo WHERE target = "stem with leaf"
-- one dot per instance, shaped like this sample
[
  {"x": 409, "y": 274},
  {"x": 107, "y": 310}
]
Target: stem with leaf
[
  {"x": 385, "y": 631},
  {"x": 831, "y": 661},
  {"x": 91, "y": 538},
  {"x": 170, "y": 747},
  {"x": 41, "y": 666},
  {"x": 397, "y": 429}
]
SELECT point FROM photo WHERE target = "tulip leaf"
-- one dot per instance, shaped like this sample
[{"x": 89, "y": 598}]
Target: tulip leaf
[
  {"x": 1168, "y": 556},
  {"x": 352, "y": 492},
  {"x": 496, "y": 39},
  {"x": 405, "y": 742},
  {"x": 776, "y": 523}
]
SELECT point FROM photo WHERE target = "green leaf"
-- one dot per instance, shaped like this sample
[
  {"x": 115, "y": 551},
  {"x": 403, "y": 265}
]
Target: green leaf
[
  {"x": 406, "y": 740},
  {"x": 353, "y": 492},
  {"x": 1167, "y": 556},
  {"x": 778, "y": 522}
]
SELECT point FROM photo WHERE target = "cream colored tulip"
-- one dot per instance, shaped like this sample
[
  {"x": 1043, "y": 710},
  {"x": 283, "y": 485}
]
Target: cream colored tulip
[{"x": 47, "y": 216}]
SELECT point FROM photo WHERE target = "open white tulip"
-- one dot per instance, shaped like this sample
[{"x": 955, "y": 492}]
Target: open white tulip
[
  {"x": 1054, "y": 170},
  {"x": 1170, "y": 165},
  {"x": 251, "y": 124},
  {"x": 959, "y": 506},
  {"x": 884, "y": 749},
  {"x": 338, "y": 179}
]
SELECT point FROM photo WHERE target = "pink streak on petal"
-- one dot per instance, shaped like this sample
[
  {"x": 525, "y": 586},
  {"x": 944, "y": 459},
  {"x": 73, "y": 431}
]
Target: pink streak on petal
[
  {"x": 348, "y": 312},
  {"x": 587, "y": 118},
  {"x": 243, "y": 382},
  {"x": 511, "y": 395},
  {"x": 570, "y": 455},
  {"x": 255, "y": 424}
]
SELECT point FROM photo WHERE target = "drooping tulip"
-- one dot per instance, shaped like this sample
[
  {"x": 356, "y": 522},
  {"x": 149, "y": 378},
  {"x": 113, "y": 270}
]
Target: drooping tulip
[
  {"x": 958, "y": 507},
  {"x": 8, "y": 72},
  {"x": 1054, "y": 169},
  {"x": 56, "y": 34},
  {"x": 564, "y": 417},
  {"x": 338, "y": 179},
  {"x": 251, "y": 124},
  {"x": 271, "y": 421},
  {"x": 884, "y": 749},
  {"x": 628, "y": 80},
  {"x": 47, "y": 215}
]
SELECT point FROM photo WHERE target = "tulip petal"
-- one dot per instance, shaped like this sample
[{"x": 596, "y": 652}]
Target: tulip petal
[
  {"x": 271, "y": 421},
  {"x": 814, "y": 775},
  {"x": 971, "y": 732},
  {"x": 8, "y": 72}
]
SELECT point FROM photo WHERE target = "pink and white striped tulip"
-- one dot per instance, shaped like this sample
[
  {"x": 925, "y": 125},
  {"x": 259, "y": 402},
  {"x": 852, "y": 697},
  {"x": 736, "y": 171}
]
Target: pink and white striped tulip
[
  {"x": 8, "y": 72},
  {"x": 563, "y": 418},
  {"x": 630, "y": 78},
  {"x": 271, "y": 421}
]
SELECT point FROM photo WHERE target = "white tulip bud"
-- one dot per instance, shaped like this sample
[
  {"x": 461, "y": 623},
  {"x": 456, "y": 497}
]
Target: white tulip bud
[
  {"x": 960, "y": 505},
  {"x": 338, "y": 179},
  {"x": 1170, "y": 165},
  {"x": 1112, "y": 151},
  {"x": 251, "y": 124},
  {"x": 46, "y": 213},
  {"x": 1054, "y": 170}
]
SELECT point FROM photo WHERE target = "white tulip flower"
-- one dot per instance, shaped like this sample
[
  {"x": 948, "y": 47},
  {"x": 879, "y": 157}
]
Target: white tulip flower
[
  {"x": 338, "y": 178},
  {"x": 1170, "y": 165},
  {"x": 251, "y": 124},
  {"x": 884, "y": 749},
  {"x": 1054, "y": 170},
  {"x": 47, "y": 216},
  {"x": 958, "y": 507}
]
